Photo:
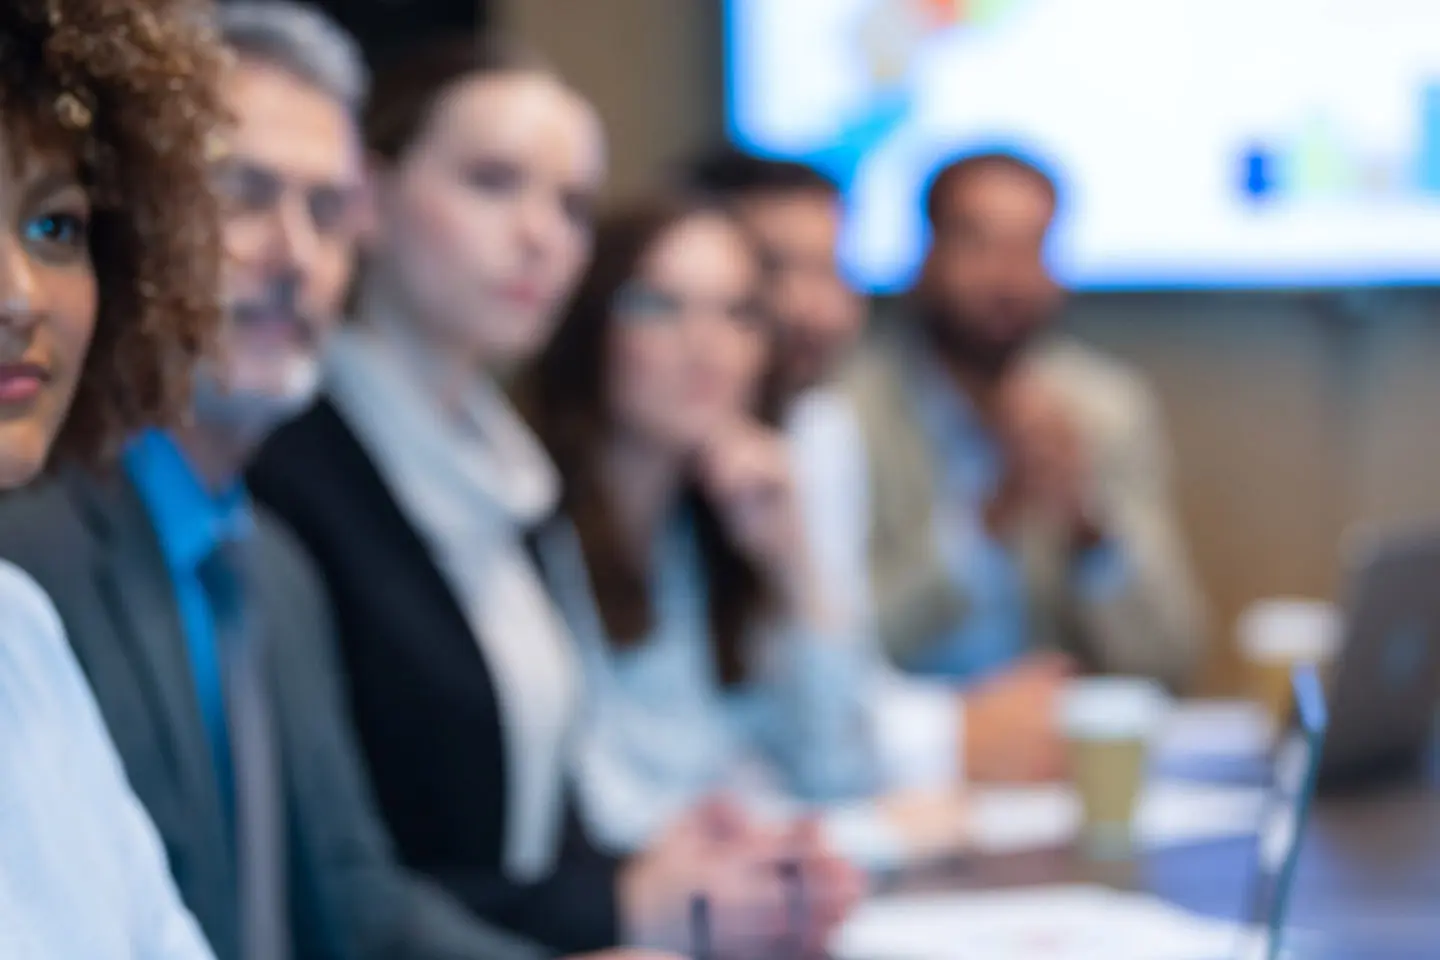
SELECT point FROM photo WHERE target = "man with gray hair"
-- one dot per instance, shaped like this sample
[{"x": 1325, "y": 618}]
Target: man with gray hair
[{"x": 199, "y": 623}]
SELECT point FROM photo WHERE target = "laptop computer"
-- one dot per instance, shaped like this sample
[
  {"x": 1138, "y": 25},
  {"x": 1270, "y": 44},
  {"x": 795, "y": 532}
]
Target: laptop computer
[
  {"x": 1295, "y": 769},
  {"x": 1386, "y": 682}
]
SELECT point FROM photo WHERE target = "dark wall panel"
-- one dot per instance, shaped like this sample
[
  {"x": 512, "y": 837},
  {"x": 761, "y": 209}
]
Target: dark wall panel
[{"x": 385, "y": 27}]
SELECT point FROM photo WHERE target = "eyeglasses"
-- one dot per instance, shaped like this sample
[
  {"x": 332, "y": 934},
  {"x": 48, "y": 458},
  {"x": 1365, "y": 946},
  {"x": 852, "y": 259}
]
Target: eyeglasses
[
  {"x": 250, "y": 189},
  {"x": 639, "y": 302}
]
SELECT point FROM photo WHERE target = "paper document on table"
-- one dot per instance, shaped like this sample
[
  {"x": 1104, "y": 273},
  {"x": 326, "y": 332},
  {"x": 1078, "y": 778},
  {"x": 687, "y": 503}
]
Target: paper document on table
[
  {"x": 1039, "y": 923},
  {"x": 888, "y": 834},
  {"x": 1218, "y": 729},
  {"x": 878, "y": 833},
  {"x": 1171, "y": 813}
]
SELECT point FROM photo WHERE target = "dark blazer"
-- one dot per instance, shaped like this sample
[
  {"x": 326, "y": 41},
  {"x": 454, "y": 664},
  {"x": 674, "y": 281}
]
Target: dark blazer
[
  {"x": 424, "y": 701},
  {"x": 90, "y": 543}
]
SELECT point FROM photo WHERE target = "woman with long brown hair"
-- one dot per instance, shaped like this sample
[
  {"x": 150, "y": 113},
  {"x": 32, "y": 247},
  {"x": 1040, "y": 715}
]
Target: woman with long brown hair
[
  {"x": 108, "y": 291},
  {"x": 681, "y": 560}
]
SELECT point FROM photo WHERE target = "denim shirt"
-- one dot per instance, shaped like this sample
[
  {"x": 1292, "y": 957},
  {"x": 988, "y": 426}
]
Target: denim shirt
[
  {"x": 969, "y": 466},
  {"x": 661, "y": 732}
]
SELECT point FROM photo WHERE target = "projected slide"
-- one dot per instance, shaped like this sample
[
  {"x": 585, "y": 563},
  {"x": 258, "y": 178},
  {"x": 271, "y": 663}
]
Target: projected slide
[{"x": 1247, "y": 143}]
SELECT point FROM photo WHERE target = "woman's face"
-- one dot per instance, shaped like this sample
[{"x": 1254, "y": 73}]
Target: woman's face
[
  {"x": 688, "y": 346},
  {"x": 485, "y": 223},
  {"x": 47, "y": 301}
]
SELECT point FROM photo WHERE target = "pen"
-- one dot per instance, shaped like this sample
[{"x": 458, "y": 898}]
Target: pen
[
  {"x": 700, "y": 947},
  {"x": 793, "y": 881}
]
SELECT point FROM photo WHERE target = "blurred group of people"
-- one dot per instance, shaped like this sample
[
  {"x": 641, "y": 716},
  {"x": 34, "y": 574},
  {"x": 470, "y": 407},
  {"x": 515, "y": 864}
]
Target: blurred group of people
[{"x": 509, "y": 563}]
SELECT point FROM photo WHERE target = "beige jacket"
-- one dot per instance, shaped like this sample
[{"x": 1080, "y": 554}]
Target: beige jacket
[{"x": 1151, "y": 627}]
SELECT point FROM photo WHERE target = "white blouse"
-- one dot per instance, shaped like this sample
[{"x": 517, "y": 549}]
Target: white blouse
[
  {"x": 82, "y": 870},
  {"x": 472, "y": 485}
]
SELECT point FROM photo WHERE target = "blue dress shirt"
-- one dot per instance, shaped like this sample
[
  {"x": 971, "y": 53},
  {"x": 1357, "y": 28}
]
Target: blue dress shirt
[
  {"x": 969, "y": 466},
  {"x": 82, "y": 871},
  {"x": 192, "y": 523}
]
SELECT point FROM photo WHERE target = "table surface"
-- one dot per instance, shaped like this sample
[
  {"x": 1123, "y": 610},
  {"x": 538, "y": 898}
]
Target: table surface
[{"x": 1367, "y": 888}]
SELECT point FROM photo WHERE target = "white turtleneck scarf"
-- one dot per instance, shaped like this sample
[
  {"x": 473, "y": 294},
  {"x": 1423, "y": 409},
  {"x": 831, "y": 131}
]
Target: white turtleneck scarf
[{"x": 472, "y": 480}]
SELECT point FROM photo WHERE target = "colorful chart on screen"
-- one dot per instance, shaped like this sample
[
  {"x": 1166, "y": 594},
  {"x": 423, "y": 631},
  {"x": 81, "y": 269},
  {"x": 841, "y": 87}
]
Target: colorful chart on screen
[{"x": 1246, "y": 143}]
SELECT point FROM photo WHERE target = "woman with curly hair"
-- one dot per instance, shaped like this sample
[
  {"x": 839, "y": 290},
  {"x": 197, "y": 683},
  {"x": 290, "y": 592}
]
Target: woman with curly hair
[{"x": 108, "y": 272}]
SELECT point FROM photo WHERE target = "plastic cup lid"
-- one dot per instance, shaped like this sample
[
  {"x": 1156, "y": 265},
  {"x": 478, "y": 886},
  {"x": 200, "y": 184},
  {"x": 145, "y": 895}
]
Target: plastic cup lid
[{"x": 1105, "y": 708}]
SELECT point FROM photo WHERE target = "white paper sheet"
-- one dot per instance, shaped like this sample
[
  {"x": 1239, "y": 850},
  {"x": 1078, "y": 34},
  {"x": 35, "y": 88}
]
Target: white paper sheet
[
  {"x": 1019, "y": 819},
  {"x": 1171, "y": 813},
  {"x": 859, "y": 831},
  {"x": 1053, "y": 923},
  {"x": 1215, "y": 729}
]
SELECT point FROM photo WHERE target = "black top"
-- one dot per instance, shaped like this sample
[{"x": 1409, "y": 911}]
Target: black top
[{"x": 425, "y": 707}]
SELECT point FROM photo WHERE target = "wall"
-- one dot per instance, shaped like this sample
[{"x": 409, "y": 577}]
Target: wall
[
  {"x": 1294, "y": 426},
  {"x": 387, "y": 27},
  {"x": 652, "y": 67},
  {"x": 1294, "y": 419}
]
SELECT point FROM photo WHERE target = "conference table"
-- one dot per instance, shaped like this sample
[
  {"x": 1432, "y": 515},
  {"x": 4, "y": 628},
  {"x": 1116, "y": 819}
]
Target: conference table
[{"x": 1367, "y": 887}]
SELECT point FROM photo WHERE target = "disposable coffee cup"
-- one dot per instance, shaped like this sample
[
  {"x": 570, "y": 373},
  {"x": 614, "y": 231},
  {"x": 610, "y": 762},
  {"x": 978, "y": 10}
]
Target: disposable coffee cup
[
  {"x": 1109, "y": 723},
  {"x": 1276, "y": 636}
]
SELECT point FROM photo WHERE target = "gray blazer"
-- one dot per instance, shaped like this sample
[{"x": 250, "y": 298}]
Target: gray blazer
[{"x": 89, "y": 542}]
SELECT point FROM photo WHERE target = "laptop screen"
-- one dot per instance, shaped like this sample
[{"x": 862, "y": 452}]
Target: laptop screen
[{"x": 1282, "y": 825}]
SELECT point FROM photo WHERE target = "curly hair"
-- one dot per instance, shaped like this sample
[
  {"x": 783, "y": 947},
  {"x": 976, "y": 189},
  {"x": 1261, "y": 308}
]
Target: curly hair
[{"x": 132, "y": 88}]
